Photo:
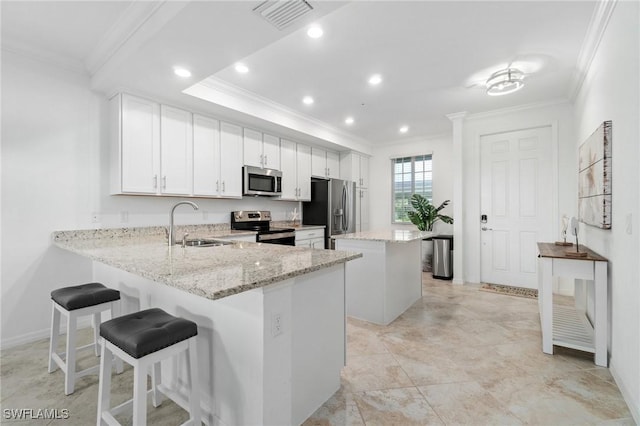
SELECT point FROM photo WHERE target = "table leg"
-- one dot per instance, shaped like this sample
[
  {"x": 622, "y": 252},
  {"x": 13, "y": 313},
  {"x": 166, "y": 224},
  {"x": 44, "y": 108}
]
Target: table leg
[
  {"x": 546, "y": 304},
  {"x": 601, "y": 314}
]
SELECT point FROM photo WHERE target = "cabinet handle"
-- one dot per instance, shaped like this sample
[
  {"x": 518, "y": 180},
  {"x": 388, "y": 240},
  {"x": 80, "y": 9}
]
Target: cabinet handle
[
  {"x": 265, "y": 160},
  {"x": 164, "y": 182},
  {"x": 328, "y": 172},
  {"x": 223, "y": 186},
  {"x": 217, "y": 186},
  {"x": 155, "y": 181},
  {"x": 261, "y": 160}
]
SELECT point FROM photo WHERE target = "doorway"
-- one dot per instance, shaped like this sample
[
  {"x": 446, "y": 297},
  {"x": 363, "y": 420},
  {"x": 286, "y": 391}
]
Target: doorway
[{"x": 516, "y": 204}]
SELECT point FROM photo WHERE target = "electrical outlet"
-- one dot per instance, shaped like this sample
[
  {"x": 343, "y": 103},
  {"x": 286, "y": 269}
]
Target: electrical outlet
[
  {"x": 124, "y": 216},
  {"x": 276, "y": 324},
  {"x": 95, "y": 217}
]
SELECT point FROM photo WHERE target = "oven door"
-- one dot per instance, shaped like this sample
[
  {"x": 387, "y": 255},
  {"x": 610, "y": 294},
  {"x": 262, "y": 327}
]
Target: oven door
[
  {"x": 283, "y": 238},
  {"x": 257, "y": 181}
]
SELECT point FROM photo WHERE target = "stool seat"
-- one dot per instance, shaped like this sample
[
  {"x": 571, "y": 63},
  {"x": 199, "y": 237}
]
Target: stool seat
[
  {"x": 81, "y": 296},
  {"x": 146, "y": 332}
]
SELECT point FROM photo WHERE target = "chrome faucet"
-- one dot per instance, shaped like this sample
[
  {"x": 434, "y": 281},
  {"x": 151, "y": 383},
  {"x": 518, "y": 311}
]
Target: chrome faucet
[{"x": 172, "y": 239}]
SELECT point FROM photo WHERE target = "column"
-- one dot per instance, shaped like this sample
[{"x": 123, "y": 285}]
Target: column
[{"x": 458, "y": 196}]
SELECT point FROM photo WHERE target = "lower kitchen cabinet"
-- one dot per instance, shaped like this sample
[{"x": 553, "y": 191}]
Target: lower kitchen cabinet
[{"x": 312, "y": 238}]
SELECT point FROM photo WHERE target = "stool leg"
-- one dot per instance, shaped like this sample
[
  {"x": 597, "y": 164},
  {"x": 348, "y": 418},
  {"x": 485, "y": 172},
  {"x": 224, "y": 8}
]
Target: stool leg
[
  {"x": 115, "y": 312},
  {"x": 194, "y": 383},
  {"x": 104, "y": 386},
  {"x": 156, "y": 395},
  {"x": 140, "y": 395},
  {"x": 53, "y": 340},
  {"x": 70, "y": 377},
  {"x": 96, "y": 336}
]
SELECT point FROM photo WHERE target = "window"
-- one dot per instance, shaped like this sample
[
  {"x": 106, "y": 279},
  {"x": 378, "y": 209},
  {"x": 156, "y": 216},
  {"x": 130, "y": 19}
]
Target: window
[{"x": 411, "y": 175}]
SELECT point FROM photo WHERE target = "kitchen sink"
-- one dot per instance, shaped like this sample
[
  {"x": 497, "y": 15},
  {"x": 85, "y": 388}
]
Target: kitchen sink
[{"x": 201, "y": 242}]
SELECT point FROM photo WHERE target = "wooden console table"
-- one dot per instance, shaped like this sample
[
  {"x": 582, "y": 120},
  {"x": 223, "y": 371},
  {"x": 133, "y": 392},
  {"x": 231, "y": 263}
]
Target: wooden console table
[{"x": 564, "y": 325}]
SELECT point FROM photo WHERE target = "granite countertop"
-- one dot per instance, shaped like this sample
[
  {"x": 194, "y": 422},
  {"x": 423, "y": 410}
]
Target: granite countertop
[
  {"x": 297, "y": 225},
  {"x": 386, "y": 235},
  {"x": 211, "y": 272}
]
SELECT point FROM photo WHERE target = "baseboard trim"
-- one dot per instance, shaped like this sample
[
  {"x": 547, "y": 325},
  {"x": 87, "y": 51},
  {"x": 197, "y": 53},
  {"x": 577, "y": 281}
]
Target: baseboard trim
[
  {"x": 34, "y": 336},
  {"x": 633, "y": 404}
]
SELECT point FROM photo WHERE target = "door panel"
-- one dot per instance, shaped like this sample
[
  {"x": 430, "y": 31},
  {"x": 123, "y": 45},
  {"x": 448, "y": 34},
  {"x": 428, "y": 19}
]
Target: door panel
[{"x": 516, "y": 181}]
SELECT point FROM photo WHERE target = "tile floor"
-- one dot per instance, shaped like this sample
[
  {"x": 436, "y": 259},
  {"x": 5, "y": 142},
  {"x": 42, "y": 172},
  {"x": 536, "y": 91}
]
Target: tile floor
[{"x": 458, "y": 356}]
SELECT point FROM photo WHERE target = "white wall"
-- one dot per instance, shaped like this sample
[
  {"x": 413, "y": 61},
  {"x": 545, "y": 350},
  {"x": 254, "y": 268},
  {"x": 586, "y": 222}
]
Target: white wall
[
  {"x": 380, "y": 179},
  {"x": 559, "y": 116},
  {"x": 611, "y": 92},
  {"x": 54, "y": 176}
]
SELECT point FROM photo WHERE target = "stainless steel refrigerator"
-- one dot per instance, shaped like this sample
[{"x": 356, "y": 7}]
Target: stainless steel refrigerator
[{"x": 333, "y": 204}]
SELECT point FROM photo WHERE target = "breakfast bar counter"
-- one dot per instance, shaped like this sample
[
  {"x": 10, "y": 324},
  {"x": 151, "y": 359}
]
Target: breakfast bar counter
[
  {"x": 271, "y": 318},
  {"x": 388, "y": 278}
]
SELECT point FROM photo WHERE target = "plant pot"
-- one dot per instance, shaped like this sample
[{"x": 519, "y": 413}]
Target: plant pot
[{"x": 427, "y": 255}]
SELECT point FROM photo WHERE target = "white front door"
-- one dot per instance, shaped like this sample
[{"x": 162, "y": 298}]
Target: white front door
[{"x": 517, "y": 198}]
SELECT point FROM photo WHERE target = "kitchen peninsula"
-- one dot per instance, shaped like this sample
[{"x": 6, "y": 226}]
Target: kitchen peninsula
[
  {"x": 388, "y": 278},
  {"x": 271, "y": 318}
]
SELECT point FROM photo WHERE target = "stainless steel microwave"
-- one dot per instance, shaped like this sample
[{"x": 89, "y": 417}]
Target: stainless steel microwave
[{"x": 257, "y": 181}]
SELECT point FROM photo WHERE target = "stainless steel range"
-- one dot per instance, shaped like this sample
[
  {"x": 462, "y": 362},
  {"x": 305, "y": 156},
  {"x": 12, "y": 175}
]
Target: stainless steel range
[{"x": 260, "y": 221}]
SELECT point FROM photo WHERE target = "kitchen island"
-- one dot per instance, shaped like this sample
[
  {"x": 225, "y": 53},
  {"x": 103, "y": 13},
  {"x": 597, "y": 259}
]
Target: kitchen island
[
  {"x": 388, "y": 278},
  {"x": 271, "y": 318}
]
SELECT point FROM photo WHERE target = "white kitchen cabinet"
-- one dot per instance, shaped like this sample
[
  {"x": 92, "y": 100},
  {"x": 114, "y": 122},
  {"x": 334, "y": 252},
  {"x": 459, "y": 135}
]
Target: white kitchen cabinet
[
  {"x": 355, "y": 167},
  {"x": 362, "y": 209},
  {"x": 206, "y": 156},
  {"x": 295, "y": 161},
  {"x": 261, "y": 150},
  {"x": 325, "y": 164},
  {"x": 230, "y": 160},
  {"x": 135, "y": 149},
  {"x": 312, "y": 238},
  {"x": 176, "y": 148}
]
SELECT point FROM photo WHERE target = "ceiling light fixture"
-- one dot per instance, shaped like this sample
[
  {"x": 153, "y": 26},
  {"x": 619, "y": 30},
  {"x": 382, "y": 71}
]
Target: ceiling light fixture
[
  {"x": 404, "y": 129},
  {"x": 505, "y": 81},
  {"x": 348, "y": 120},
  {"x": 308, "y": 100},
  {"x": 242, "y": 68},
  {"x": 315, "y": 32},
  {"x": 182, "y": 72},
  {"x": 375, "y": 79}
]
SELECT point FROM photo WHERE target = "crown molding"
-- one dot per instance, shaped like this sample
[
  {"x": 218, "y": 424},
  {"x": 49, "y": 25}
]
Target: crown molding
[
  {"x": 62, "y": 61},
  {"x": 129, "y": 22},
  {"x": 414, "y": 139},
  {"x": 595, "y": 31},
  {"x": 249, "y": 102},
  {"x": 517, "y": 108}
]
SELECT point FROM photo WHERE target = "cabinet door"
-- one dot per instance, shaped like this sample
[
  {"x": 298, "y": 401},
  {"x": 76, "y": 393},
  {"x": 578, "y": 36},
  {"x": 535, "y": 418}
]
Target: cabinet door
[
  {"x": 271, "y": 152},
  {"x": 362, "y": 215},
  {"x": 317, "y": 243},
  {"x": 303, "y": 243},
  {"x": 333, "y": 164},
  {"x": 288, "y": 167},
  {"x": 318, "y": 162},
  {"x": 304, "y": 172},
  {"x": 364, "y": 172},
  {"x": 176, "y": 151},
  {"x": 230, "y": 160},
  {"x": 140, "y": 145},
  {"x": 206, "y": 155},
  {"x": 252, "y": 142}
]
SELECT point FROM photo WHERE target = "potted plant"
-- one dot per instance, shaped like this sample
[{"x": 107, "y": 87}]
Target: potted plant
[{"x": 424, "y": 216}]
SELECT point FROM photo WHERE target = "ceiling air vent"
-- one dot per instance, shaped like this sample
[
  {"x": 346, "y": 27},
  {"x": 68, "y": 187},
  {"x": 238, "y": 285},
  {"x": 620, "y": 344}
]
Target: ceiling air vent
[{"x": 282, "y": 13}]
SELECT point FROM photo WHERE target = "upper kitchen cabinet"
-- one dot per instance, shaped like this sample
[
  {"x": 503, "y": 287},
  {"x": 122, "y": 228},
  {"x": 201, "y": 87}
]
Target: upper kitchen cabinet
[
  {"x": 230, "y": 160},
  {"x": 261, "y": 150},
  {"x": 135, "y": 149},
  {"x": 206, "y": 156},
  {"x": 325, "y": 164},
  {"x": 176, "y": 149},
  {"x": 296, "y": 171},
  {"x": 355, "y": 167}
]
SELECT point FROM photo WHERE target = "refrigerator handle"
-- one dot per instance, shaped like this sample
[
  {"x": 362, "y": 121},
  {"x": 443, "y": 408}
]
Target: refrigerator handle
[{"x": 345, "y": 217}]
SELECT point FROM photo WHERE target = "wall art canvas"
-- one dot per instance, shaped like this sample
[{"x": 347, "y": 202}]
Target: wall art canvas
[{"x": 594, "y": 178}]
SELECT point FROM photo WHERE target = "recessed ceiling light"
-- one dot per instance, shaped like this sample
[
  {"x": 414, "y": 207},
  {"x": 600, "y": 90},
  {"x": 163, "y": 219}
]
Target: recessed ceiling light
[
  {"x": 404, "y": 129},
  {"x": 182, "y": 72},
  {"x": 315, "y": 32},
  {"x": 348, "y": 120},
  {"x": 375, "y": 79},
  {"x": 242, "y": 68},
  {"x": 308, "y": 100}
]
